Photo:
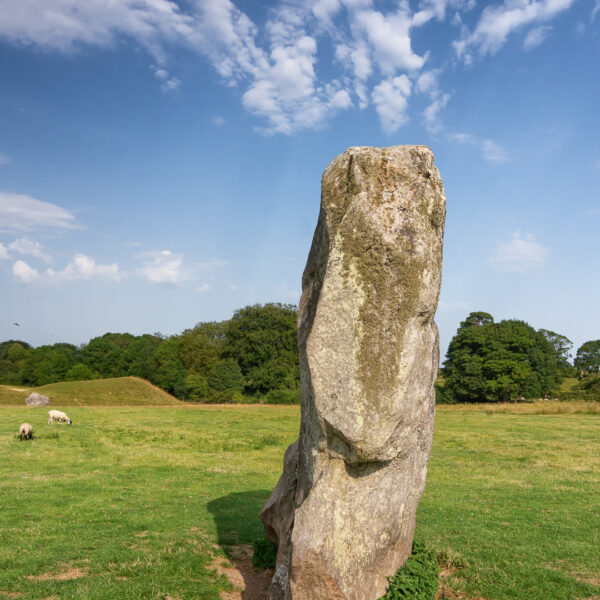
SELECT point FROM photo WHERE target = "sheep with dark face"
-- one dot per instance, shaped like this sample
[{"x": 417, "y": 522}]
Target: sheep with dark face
[
  {"x": 58, "y": 416},
  {"x": 25, "y": 431}
]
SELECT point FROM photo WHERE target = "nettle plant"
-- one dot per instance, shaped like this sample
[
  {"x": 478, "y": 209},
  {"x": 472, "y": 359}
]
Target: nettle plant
[{"x": 417, "y": 579}]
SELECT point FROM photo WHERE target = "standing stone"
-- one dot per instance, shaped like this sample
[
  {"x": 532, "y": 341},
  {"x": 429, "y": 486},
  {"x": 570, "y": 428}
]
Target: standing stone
[
  {"x": 343, "y": 511},
  {"x": 35, "y": 399}
]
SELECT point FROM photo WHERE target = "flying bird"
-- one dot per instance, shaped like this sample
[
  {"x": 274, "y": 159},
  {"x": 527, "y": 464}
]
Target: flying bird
[{"x": 16, "y": 324}]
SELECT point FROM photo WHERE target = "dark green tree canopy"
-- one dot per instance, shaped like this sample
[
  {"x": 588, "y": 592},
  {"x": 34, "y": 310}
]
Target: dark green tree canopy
[
  {"x": 498, "y": 362},
  {"x": 588, "y": 357},
  {"x": 263, "y": 341}
]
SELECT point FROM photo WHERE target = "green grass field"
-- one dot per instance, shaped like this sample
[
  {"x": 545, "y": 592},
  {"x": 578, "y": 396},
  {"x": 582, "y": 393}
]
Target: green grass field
[{"x": 136, "y": 502}]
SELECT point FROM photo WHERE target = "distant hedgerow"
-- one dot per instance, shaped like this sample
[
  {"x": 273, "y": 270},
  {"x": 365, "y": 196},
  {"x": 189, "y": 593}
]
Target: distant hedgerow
[{"x": 417, "y": 579}]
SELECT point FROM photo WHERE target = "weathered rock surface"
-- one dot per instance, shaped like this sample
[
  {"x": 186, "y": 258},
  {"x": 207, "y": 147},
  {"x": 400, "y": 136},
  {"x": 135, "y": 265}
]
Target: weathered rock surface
[
  {"x": 343, "y": 512},
  {"x": 35, "y": 399}
]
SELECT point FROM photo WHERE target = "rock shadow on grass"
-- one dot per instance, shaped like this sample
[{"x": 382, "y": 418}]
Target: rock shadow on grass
[{"x": 238, "y": 526}]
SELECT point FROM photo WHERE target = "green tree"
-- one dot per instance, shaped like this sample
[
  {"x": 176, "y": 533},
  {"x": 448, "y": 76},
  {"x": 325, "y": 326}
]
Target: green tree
[
  {"x": 201, "y": 348},
  {"x": 16, "y": 353},
  {"x": 79, "y": 372},
  {"x": 562, "y": 348},
  {"x": 48, "y": 364},
  {"x": 226, "y": 376},
  {"x": 588, "y": 357},
  {"x": 263, "y": 341},
  {"x": 196, "y": 387},
  {"x": 170, "y": 373},
  {"x": 496, "y": 362}
]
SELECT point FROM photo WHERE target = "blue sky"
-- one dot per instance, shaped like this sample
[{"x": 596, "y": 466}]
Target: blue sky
[{"x": 160, "y": 161}]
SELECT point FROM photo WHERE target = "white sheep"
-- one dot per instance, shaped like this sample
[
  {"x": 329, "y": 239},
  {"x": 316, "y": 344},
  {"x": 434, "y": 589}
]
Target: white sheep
[
  {"x": 58, "y": 415},
  {"x": 25, "y": 431}
]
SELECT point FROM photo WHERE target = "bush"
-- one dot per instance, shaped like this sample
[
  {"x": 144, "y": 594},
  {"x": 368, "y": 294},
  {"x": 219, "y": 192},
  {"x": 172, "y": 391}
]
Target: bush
[
  {"x": 265, "y": 554},
  {"x": 282, "y": 396},
  {"x": 79, "y": 372},
  {"x": 226, "y": 376},
  {"x": 226, "y": 397},
  {"x": 417, "y": 579},
  {"x": 588, "y": 389},
  {"x": 196, "y": 387},
  {"x": 443, "y": 395}
]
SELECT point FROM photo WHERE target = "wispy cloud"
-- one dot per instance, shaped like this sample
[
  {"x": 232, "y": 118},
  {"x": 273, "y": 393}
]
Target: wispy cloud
[
  {"x": 595, "y": 10},
  {"x": 4, "y": 160},
  {"x": 520, "y": 254},
  {"x": 536, "y": 36},
  {"x": 24, "y": 213},
  {"x": 457, "y": 305},
  {"x": 4, "y": 254},
  {"x": 29, "y": 247},
  {"x": 205, "y": 287},
  {"x": 168, "y": 83},
  {"x": 289, "y": 294},
  {"x": 498, "y": 22},
  {"x": 304, "y": 63},
  {"x": 81, "y": 268},
  {"x": 491, "y": 151},
  {"x": 163, "y": 266}
]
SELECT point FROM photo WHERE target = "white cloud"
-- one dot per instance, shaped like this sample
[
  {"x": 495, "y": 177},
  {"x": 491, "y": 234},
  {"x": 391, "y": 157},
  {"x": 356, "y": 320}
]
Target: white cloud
[
  {"x": 432, "y": 113},
  {"x": 163, "y": 266},
  {"x": 81, "y": 268},
  {"x": 29, "y": 247},
  {"x": 498, "y": 22},
  {"x": 205, "y": 287},
  {"x": 595, "y": 10},
  {"x": 458, "y": 305},
  {"x": 4, "y": 255},
  {"x": 218, "y": 121},
  {"x": 24, "y": 213},
  {"x": 490, "y": 150},
  {"x": 24, "y": 272},
  {"x": 520, "y": 255},
  {"x": 390, "y": 99},
  {"x": 493, "y": 152},
  {"x": 389, "y": 37},
  {"x": 536, "y": 36},
  {"x": 286, "y": 293},
  {"x": 65, "y": 24},
  {"x": 167, "y": 83},
  {"x": 275, "y": 67}
]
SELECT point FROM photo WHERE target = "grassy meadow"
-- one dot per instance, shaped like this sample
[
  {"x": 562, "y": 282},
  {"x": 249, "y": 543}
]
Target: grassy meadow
[{"x": 144, "y": 501}]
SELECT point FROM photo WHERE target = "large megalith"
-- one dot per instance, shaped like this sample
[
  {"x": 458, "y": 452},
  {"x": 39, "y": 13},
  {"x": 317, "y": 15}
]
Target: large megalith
[{"x": 343, "y": 511}]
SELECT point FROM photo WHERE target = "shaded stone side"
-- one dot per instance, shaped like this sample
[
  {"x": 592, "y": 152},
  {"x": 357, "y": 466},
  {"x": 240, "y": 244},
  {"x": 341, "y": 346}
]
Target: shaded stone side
[{"x": 343, "y": 512}]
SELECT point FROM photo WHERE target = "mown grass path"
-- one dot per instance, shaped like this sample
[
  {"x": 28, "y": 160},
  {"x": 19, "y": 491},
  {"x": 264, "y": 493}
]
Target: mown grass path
[{"x": 134, "y": 502}]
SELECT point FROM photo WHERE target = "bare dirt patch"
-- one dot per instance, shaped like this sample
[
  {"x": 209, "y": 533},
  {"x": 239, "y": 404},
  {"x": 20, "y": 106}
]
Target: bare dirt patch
[
  {"x": 69, "y": 572},
  {"x": 251, "y": 583}
]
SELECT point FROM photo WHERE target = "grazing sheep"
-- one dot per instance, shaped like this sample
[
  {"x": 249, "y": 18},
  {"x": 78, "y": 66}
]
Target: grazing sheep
[
  {"x": 58, "y": 415},
  {"x": 25, "y": 431}
]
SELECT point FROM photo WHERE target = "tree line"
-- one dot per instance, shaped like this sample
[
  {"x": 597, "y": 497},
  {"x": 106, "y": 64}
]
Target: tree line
[{"x": 254, "y": 355}]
